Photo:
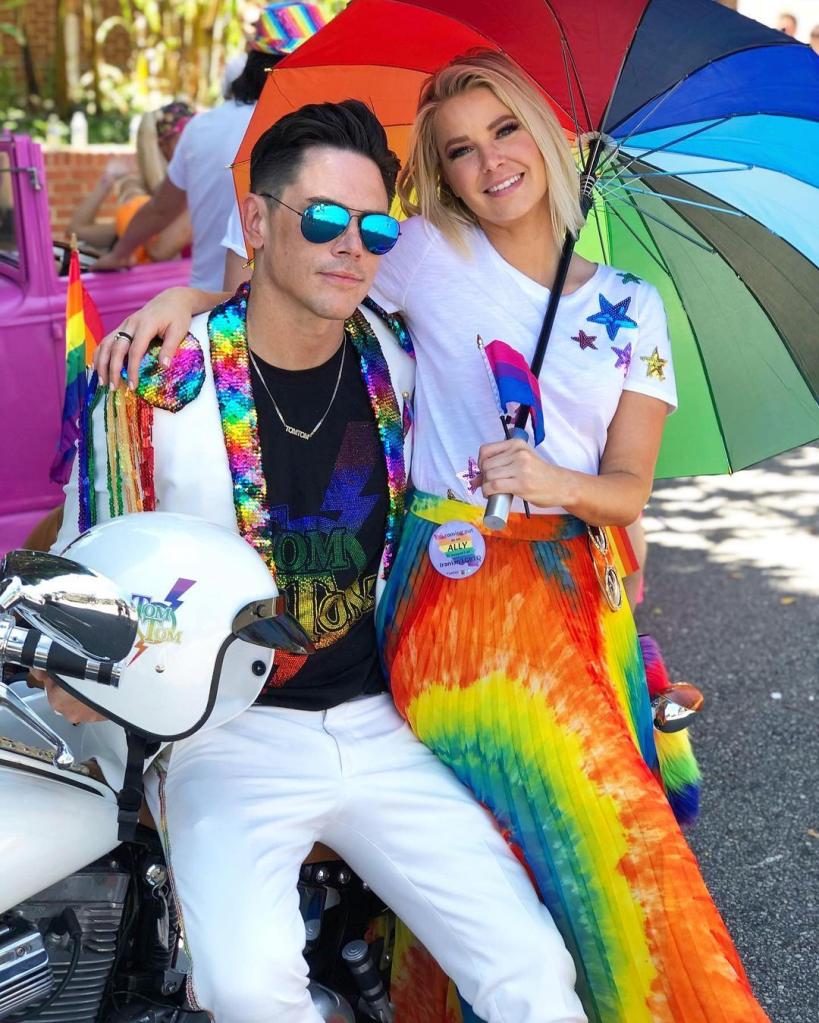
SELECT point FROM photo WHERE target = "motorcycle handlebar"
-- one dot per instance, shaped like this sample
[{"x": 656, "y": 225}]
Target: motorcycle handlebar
[{"x": 32, "y": 649}]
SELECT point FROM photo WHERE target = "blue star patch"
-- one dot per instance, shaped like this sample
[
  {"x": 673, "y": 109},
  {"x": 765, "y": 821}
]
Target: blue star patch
[{"x": 613, "y": 316}]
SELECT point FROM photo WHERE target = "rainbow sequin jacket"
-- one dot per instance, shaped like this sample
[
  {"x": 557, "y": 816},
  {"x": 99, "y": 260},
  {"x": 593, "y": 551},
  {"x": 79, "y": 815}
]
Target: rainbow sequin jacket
[{"x": 187, "y": 439}]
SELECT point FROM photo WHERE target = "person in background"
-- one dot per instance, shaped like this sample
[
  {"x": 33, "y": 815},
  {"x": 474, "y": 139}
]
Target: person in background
[
  {"x": 134, "y": 182},
  {"x": 814, "y": 39},
  {"x": 786, "y": 22},
  {"x": 199, "y": 177}
]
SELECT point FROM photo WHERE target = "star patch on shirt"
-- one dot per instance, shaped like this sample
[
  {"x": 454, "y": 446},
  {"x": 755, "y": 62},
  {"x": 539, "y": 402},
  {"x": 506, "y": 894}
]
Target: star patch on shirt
[
  {"x": 628, "y": 278},
  {"x": 654, "y": 365},
  {"x": 585, "y": 340},
  {"x": 471, "y": 476},
  {"x": 623, "y": 357},
  {"x": 613, "y": 317}
]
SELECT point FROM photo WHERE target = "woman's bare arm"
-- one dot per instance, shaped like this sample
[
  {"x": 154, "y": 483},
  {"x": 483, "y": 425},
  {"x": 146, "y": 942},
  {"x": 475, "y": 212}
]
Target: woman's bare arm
[
  {"x": 168, "y": 316},
  {"x": 172, "y": 240},
  {"x": 615, "y": 497}
]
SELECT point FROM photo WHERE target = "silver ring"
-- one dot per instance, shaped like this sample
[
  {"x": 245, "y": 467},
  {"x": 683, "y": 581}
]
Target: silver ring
[{"x": 128, "y": 338}]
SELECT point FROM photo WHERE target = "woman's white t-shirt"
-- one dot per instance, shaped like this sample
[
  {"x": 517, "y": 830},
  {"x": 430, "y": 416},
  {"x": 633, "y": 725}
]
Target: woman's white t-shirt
[{"x": 609, "y": 335}]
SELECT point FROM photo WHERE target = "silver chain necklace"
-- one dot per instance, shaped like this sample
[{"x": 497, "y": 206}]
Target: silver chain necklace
[{"x": 292, "y": 429}]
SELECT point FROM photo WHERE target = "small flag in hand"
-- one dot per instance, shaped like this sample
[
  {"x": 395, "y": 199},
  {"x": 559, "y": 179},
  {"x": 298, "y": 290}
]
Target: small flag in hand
[
  {"x": 83, "y": 332},
  {"x": 517, "y": 384}
]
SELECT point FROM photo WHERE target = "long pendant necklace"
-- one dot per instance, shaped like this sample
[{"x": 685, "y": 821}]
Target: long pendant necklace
[{"x": 292, "y": 430}]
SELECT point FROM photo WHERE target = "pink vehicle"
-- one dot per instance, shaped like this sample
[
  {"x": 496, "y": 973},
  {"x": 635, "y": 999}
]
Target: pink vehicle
[{"x": 33, "y": 280}]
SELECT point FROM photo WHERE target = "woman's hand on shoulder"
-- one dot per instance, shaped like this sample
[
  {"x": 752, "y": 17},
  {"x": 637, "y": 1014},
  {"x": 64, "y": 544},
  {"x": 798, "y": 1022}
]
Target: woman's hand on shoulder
[{"x": 167, "y": 316}]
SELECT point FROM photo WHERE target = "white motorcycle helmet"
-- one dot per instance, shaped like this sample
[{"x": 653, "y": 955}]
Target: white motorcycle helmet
[{"x": 207, "y": 616}]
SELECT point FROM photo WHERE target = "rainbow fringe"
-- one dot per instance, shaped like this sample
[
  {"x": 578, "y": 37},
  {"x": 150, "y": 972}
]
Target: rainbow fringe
[{"x": 679, "y": 769}]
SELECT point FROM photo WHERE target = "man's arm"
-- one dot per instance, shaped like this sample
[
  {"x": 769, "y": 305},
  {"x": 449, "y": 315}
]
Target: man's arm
[{"x": 151, "y": 219}]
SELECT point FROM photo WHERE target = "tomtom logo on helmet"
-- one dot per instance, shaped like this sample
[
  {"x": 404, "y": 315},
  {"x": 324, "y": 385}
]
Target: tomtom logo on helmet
[{"x": 157, "y": 618}]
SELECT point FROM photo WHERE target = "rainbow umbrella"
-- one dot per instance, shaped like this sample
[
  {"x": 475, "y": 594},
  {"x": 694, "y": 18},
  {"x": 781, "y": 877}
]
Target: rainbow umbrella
[{"x": 693, "y": 129}]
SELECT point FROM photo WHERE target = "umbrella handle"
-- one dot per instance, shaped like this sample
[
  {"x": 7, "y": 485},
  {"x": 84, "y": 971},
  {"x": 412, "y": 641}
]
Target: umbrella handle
[{"x": 499, "y": 505}]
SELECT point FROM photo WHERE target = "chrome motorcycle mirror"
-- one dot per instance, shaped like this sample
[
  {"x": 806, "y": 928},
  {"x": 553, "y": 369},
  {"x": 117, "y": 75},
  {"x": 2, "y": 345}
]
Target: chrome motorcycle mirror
[{"x": 79, "y": 608}]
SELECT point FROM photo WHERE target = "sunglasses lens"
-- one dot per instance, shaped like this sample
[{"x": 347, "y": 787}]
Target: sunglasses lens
[
  {"x": 322, "y": 222},
  {"x": 379, "y": 232}
]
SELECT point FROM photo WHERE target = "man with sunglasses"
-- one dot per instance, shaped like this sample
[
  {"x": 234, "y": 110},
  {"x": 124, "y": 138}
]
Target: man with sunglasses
[{"x": 301, "y": 438}]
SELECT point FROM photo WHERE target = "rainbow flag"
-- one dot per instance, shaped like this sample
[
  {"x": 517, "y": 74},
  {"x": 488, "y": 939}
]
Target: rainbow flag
[
  {"x": 516, "y": 382},
  {"x": 83, "y": 332}
]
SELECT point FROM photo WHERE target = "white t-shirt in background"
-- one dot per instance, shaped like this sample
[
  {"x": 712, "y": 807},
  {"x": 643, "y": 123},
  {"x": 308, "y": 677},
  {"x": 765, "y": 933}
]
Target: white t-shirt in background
[
  {"x": 201, "y": 168},
  {"x": 608, "y": 336}
]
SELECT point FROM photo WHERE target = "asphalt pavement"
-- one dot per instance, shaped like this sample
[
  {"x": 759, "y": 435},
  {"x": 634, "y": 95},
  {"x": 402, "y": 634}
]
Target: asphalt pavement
[{"x": 733, "y": 598}]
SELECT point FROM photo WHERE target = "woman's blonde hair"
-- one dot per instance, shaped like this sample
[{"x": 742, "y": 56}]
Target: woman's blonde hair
[
  {"x": 422, "y": 187},
  {"x": 152, "y": 164}
]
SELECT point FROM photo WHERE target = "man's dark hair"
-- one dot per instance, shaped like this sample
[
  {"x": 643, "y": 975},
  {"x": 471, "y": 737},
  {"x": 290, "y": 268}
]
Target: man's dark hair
[
  {"x": 350, "y": 126},
  {"x": 247, "y": 87}
]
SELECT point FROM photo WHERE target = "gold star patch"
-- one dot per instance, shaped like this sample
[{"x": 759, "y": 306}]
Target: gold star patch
[{"x": 654, "y": 364}]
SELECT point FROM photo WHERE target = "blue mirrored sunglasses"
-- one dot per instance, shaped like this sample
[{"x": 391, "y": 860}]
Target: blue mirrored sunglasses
[{"x": 323, "y": 221}]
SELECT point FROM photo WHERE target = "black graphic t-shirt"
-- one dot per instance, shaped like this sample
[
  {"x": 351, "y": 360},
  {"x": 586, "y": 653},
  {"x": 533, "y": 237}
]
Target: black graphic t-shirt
[{"x": 328, "y": 502}]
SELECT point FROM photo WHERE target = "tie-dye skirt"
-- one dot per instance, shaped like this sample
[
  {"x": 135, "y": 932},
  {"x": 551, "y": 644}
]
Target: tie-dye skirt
[{"x": 524, "y": 681}]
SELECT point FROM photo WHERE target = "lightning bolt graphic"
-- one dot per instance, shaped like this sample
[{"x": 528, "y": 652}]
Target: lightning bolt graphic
[
  {"x": 139, "y": 649},
  {"x": 178, "y": 590},
  {"x": 351, "y": 474},
  {"x": 344, "y": 505}
]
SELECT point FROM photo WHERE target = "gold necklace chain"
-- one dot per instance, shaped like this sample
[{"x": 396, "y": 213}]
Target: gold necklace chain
[{"x": 292, "y": 430}]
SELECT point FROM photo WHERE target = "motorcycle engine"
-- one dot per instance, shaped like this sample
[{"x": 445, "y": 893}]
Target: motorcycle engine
[
  {"x": 76, "y": 920},
  {"x": 25, "y": 971}
]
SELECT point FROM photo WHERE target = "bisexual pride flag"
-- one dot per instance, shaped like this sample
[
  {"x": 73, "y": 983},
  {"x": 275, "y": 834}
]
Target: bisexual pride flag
[
  {"x": 83, "y": 332},
  {"x": 516, "y": 384}
]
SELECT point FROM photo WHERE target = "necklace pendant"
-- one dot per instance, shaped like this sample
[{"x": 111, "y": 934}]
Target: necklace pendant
[{"x": 297, "y": 433}]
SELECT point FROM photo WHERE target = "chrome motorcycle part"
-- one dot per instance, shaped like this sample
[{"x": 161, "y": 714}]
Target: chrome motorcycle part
[
  {"x": 356, "y": 954},
  {"x": 330, "y": 1005},
  {"x": 312, "y": 905},
  {"x": 70, "y": 603},
  {"x": 63, "y": 757},
  {"x": 30, "y": 648},
  {"x": 95, "y": 898},
  {"x": 25, "y": 971},
  {"x": 156, "y": 875}
]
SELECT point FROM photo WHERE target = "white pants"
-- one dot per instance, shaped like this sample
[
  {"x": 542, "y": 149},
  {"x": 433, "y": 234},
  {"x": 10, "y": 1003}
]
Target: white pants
[{"x": 244, "y": 804}]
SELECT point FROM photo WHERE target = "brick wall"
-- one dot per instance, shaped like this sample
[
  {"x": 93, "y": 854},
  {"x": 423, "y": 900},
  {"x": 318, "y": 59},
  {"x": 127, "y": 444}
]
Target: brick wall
[
  {"x": 70, "y": 176},
  {"x": 40, "y": 24}
]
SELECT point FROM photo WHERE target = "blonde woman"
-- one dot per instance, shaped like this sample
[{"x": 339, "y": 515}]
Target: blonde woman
[
  {"x": 506, "y": 651},
  {"x": 133, "y": 184}
]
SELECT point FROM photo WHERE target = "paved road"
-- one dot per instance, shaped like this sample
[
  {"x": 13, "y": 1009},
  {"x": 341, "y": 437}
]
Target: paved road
[{"x": 733, "y": 598}]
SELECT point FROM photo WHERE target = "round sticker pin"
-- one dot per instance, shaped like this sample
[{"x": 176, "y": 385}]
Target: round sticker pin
[{"x": 457, "y": 550}]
